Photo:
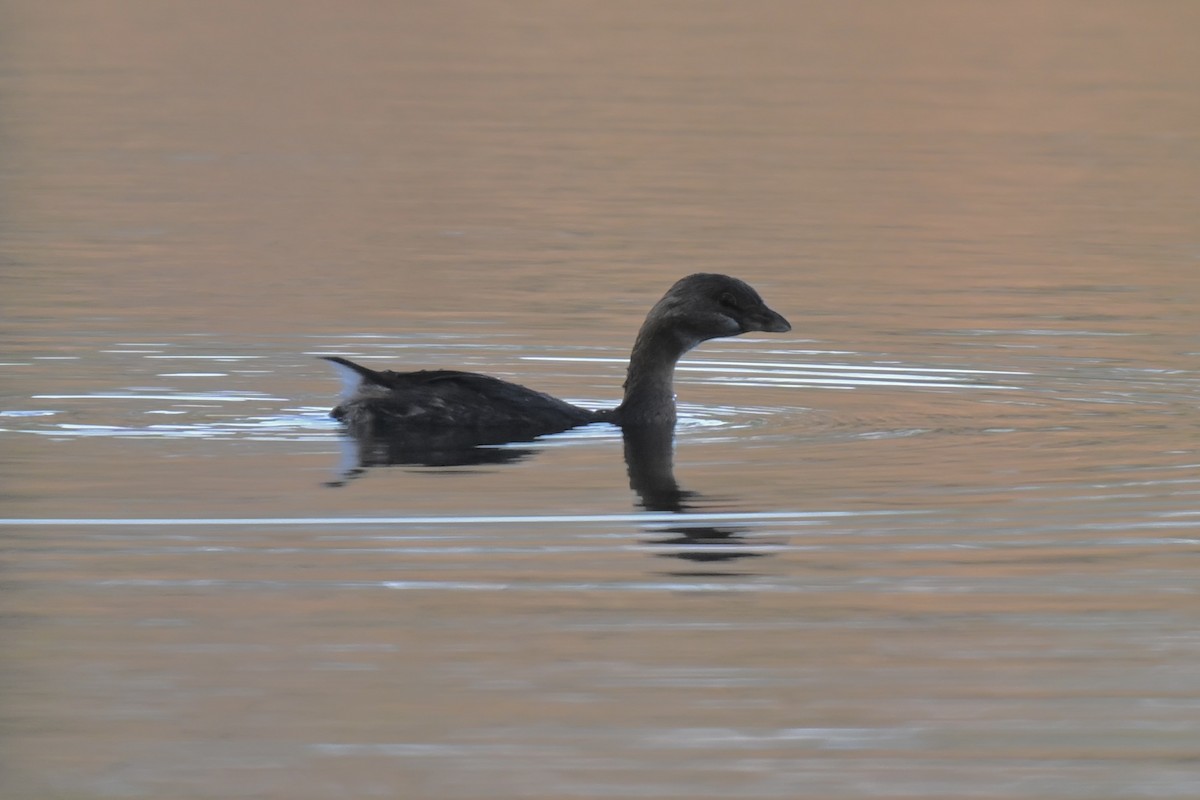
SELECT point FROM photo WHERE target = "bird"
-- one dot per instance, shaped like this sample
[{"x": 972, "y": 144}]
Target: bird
[{"x": 439, "y": 403}]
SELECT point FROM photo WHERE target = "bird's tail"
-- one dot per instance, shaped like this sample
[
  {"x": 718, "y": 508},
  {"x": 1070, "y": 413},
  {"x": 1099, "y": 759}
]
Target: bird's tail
[{"x": 353, "y": 376}]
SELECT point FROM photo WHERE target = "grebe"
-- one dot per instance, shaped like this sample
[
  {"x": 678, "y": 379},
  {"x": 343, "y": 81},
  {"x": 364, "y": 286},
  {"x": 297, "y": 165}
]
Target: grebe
[{"x": 697, "y": 308}]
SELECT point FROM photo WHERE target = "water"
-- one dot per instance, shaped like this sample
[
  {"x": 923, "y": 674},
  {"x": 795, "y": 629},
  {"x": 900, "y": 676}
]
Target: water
[{"x": 939, "y": 541}]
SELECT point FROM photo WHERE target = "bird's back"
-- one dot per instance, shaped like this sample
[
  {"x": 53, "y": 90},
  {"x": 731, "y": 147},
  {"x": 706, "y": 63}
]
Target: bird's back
[{"x": 376, "y": 402}]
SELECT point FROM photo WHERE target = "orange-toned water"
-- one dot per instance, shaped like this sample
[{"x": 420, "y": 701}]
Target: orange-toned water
[{"x": 941, "y": 540}]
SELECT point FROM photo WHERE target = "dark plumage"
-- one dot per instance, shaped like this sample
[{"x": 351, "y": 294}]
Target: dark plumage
[
  {"x": 433, "y": 399},
  {"x": 697, "y": 308}
]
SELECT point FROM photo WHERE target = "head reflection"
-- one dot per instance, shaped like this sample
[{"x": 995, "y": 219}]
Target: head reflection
[{"x": 650, "y": 458}]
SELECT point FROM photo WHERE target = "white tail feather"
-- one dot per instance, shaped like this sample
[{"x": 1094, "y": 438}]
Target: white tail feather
[{"x": 350, "y": 378}]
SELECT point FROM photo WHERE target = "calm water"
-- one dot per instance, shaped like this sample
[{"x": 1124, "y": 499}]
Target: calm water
[{"x": 942, "y": 540}]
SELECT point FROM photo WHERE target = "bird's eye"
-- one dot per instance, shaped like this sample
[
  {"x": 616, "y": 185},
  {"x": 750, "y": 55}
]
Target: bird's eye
[{"x": 728, "y": 301}]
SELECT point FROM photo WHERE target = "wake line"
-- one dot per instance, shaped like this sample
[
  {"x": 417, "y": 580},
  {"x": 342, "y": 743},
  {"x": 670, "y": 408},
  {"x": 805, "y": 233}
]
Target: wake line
[{"x": 523, "y": 519}]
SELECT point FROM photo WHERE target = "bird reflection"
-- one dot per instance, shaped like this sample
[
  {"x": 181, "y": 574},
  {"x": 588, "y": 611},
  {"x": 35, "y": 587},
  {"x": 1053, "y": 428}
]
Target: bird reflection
[
  {"x": 448, "y": 448},
  {"x": 650, "y": 458}
]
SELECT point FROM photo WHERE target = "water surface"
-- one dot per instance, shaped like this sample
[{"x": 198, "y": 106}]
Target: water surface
[{"x": 939, "y": 541}]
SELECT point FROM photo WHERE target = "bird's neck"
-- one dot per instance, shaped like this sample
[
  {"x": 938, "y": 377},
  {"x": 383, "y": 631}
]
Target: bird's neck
[{"x": 649, "y": 383}]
